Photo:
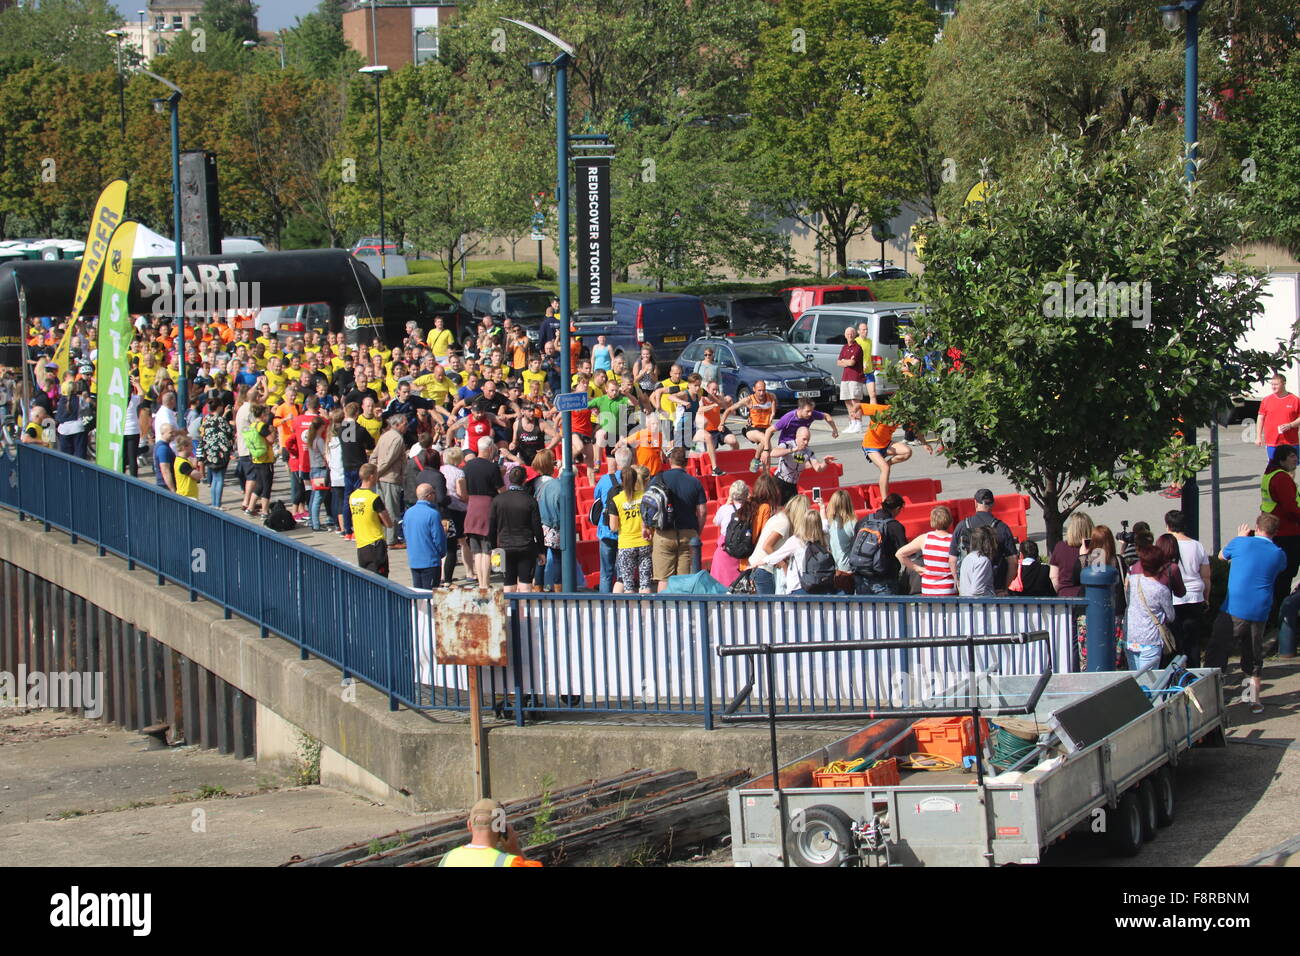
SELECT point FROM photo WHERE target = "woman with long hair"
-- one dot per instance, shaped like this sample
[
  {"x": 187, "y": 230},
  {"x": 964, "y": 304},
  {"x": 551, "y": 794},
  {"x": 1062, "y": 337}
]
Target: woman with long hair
[
  {"x": 792, "y": 553},
  {"x": 338, "y": 478},
  {"x": 776, "y": 532},
  {"x": 1067, "y": 557},
  {"x": 764, "y": 503},
  {"x": 934, "y": 571},
  {"x": 1150, "y": 606},
  {"x": 976, "y": 571},
  {"x": 839, "y": 521},
  {"x": 635, "y": 567},
  {"x": 725, "y": 568},
  {"x": 318, "y": 438}
]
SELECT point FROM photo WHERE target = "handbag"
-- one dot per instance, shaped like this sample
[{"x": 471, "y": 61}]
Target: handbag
[
  {"x": 744, "y": 584},
  {"x": 1018, "y": 584},
  {"x": 1166, "y": 635},
  {"x": 550, "y": 537}
]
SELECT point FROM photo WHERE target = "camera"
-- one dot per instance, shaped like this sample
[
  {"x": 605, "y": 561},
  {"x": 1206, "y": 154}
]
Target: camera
[{"x": 1124, "y": 534}]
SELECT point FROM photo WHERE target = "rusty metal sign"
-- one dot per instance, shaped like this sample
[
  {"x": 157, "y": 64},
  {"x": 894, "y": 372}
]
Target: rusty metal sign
[{"x": 470, "y": 627}]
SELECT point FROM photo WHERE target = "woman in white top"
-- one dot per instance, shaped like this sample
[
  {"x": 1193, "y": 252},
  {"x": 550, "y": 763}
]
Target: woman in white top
[
  {"x": 790, "y": 555},
  {"x": 1190, "y": 609},
  {"x": 131, "y": 431},
  {"x": 452, "y": 460},
  {"x": 335, "y": 455},
  {"x": 774, "y": 534}
]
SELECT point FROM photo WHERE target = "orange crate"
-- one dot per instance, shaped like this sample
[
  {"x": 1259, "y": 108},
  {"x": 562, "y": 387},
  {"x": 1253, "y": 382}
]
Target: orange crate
[
  {"x": 951, "y": 737},
  {"x": 885, "y": 775}
]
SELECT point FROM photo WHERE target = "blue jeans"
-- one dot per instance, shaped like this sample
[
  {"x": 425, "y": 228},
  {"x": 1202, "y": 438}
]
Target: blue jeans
[
  {"x": 351, "y": 482},
  {"x": 1287, "y": 624},
  {"x": 295, "y": 489},
  {"x": 866, "y": 585},
  {"x": 1148, "y": 655},
  {"x": 764, "y": 581},
  {"x": 317, "y": 497},
  {"x": 553, "y": 569},
  {"x": 218, "y": 477},
  {"x": 608, "y": 563}
]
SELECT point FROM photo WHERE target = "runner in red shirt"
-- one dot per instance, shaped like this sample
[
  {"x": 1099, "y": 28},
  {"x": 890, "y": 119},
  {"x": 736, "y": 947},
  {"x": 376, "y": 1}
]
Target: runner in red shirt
[
  {"x": 300, "y": 460},
  {"x": 1279, "y": 418}
]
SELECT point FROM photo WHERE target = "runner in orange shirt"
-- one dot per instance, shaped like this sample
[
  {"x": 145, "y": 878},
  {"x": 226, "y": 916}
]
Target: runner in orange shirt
[
  {"x": 878, "y": 445},
  {"x": 648, "y": 444}
]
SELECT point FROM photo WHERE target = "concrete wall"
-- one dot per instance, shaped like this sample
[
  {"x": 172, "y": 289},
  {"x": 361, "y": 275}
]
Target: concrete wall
[{"x": 401, "y": 757}]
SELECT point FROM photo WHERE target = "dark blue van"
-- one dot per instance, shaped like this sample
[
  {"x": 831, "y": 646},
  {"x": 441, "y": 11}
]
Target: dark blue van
[{"x": 665, "y": 321}]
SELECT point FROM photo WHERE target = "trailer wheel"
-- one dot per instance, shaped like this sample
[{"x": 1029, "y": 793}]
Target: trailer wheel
[
  {"x": 1162, "y": 784},
  {"x": 1125, "y": 831},
  {"x": 1147, "y": 799},
  {"x": 823, "y": 837}
]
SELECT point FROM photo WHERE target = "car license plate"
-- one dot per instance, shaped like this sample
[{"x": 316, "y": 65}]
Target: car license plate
[
  {"x": 674, "y": 338},
  {"x": 813, "y": 394}
]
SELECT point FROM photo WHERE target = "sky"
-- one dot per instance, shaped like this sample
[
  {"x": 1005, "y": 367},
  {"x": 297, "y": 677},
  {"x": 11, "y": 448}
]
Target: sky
[{"x": 281, "y": 14}]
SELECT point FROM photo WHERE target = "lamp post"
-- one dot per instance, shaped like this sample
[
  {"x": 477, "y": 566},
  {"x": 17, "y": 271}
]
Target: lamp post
[
  {"x": 568, "y": 506},
  {"x": 1186, "y": 14},
  {"x": 374, "y": 46},
  {"x": 144, "y": 51},
  {"x": 378, "y": 72},
  {"x": 118, "y": 35},
  {"x": 172, "y": 103}
]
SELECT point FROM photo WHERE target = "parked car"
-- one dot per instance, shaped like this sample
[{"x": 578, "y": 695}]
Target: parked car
[
  {"x": 859, "y": 269},
  {"x": 742, "y": 314},
  {"x": 371, "y": 244},
  {"x": 744, "y": 359},
  {"x": 818, "y": 334},
  {"x": 394, "y": 264},
  {"x": 664, "y": 320},
  {"x": 422, "y": 305},
  {"x": 801, "y": 297},
  {"x": 523, "y": 304}
]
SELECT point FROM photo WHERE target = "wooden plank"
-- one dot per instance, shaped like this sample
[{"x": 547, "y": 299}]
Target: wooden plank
[
  {"x": 190, "y": 701},
  {"x": 117, "y": 629},
  {"x": 172, "y": 699},
  {"x": 207, "y": 709},
  {"x": 225, "y": 714},
  {"x": 103, "y": 651}
]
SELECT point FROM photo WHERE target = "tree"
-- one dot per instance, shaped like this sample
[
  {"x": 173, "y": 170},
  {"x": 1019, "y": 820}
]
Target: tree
[
  {"x": 213, "y": 49},
  {"x": 1053, "y": 386},
  {"x": 831, "y": 113},
  {"x": 236, "y": 17},
  {"x": 316, "y": 45},
  {"x": 1265, "y": 132},
  {"x": 65, "y": 32},
  {"x": 681, "y": 212}
]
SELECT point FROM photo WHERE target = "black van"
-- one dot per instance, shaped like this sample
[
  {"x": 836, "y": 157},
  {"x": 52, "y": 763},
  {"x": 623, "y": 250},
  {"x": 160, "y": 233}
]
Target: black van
[
  {"x": 740, "y": 314},
  {"x": 665, "y": 321}
]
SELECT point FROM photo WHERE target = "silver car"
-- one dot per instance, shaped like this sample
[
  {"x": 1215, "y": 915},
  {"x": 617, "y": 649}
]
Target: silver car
[{"x": 819, "y": 334}]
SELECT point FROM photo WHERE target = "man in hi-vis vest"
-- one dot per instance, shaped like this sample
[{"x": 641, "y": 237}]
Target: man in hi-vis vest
[{"x": 493, "y": 841}]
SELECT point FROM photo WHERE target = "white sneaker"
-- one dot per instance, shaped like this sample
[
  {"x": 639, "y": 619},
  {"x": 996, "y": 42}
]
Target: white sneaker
[{"x": 854, "y": 427}]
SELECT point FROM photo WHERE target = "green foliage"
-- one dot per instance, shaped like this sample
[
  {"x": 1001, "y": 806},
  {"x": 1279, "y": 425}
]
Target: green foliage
[
  {"x": 213, "y": 49},
  {"x": 377, "y": 845},
  {"x": 303, "y": 232},
  {"x": 832, "y": 99},
  {"x": 542, "y": 832},
  {"x": 1078, "y": 407},
  {"x": 1265, "y": 130},
  {"x": 237, "y": 18},
  {"x": 207, "y": 791},
  {"x": 64, "y": 32},
  {"x": 307, "y": 771},
  {"x": 316, "y": 45}
]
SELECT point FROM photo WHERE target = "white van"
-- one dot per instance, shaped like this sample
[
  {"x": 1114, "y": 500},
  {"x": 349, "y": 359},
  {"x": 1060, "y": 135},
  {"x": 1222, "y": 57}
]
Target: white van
[
  {"x": 1274, "y": 329},
  {"x": 819, "y": 334}
]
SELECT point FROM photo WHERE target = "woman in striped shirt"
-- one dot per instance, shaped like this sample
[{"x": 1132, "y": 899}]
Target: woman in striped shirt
[{"x": 934, "y": 572}]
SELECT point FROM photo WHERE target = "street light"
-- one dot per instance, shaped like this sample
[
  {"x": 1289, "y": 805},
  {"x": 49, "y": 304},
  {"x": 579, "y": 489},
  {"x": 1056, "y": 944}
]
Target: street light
[
  {"x": 121, "y": 85},
  {"x": 1186, "y": 14},
  {"x": 568, "y": 506},
  {"x": 172, "y": 102},
  {"x": 144, "y": 58},
  {"x": 378, "y": 72}
]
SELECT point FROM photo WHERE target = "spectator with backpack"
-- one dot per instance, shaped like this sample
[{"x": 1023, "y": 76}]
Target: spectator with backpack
[
  {"x": 601, "y": 507},
  {"x": 806, "y": 562},
  {"x": 261, "y": 454},
  {"x": 635, "y": 566},
  {"x": 673, "y": 507},
  {"x": 877, "y": 539},
  {"x": 725, "y": 566},
  {"x": 1004, "y": 567}
]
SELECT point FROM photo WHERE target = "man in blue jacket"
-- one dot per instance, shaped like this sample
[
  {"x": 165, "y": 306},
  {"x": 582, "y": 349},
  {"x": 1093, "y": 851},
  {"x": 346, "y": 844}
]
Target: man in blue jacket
[
  {"x": 426, "y": 541},
  {"x": 1256, "y": 563},
  {"x": 606, "y": 488}
]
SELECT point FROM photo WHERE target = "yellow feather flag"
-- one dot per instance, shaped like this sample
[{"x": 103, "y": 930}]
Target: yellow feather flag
[{"x": 108, "y": 214}]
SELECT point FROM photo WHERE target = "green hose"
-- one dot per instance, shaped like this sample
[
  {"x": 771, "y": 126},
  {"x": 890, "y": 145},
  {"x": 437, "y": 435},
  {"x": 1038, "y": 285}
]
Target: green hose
[{"x": 1008, "y": 749}]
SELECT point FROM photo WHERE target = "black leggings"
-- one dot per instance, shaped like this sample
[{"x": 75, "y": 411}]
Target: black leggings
[
  {"x": 457, "y": 519},
  {"x": 131, "y": 454}
]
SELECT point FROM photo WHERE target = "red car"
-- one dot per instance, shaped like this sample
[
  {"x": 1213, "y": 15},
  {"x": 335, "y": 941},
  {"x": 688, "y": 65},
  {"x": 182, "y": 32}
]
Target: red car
[{"x": 802, "y": 297}]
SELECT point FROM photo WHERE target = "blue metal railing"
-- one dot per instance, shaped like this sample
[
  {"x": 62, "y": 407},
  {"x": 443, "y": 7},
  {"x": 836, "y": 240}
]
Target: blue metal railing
[{"x": 632, "y": 655}]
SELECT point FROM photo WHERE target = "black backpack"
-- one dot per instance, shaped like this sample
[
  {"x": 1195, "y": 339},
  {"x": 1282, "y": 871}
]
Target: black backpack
[
  {"x": 739, "y": 539},
  {"x": 596, "y": 513},
  {"x": 279, "y": 518},
  {"x": 818, "y": 575},
  {"x": 867, "y": 556}
]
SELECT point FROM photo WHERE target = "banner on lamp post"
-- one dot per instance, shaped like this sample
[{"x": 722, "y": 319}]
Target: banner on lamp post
[
  {"x": 113, "y": 375},
  {"x": 595, "y": 283}
]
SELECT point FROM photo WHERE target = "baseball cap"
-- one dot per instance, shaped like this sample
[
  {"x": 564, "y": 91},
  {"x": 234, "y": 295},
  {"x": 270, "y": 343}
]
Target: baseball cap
[
  {"x": 984, "y": 497},
  {"x": 484, "y": 812}
]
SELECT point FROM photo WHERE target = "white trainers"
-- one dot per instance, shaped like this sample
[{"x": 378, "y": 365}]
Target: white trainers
[{"x": 854, "y": 427}]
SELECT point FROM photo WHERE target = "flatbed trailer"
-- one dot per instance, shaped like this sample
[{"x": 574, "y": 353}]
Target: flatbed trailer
[{"x": 1103, "y": 763}]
